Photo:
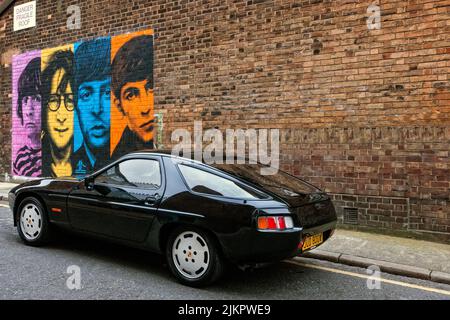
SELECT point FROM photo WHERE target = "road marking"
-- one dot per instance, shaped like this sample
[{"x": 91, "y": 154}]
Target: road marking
[
  {"x": 4, "y": 205},
  {"x": 398, "y": 283}
]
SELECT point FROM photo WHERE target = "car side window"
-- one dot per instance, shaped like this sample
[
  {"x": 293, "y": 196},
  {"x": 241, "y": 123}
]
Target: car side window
[
  {"x": 139, "y": 173},
  {"x": 205, "y": 182}
]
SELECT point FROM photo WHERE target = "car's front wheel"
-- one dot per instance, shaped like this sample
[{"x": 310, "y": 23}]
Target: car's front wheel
[
  {"x": 194, "y": 257},
  {"x": 32, "y": 222}
]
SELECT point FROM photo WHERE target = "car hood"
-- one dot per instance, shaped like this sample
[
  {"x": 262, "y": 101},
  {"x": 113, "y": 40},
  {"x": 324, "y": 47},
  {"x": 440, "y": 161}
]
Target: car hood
[{"x": 57, "y": 185}]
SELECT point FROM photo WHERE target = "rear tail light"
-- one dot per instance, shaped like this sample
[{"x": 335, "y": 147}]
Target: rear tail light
[
  {"x": 281, "y": 223},
  {"x": 272, "y": 223},
  {"x": 275, "y": 223}
]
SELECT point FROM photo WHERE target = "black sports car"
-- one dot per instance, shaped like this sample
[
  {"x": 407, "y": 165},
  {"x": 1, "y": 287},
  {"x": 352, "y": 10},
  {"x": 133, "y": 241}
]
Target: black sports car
[{"x": 199, "y": 216}]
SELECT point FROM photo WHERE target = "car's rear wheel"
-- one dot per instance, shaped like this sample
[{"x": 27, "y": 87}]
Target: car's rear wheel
[
  {"x": 32, "y": 224},
  {"x": 194, "y": 257}
]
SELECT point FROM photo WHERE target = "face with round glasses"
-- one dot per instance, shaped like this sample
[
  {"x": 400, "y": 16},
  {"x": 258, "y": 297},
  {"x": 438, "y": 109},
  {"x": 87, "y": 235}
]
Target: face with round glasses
[{"x": 60, "y": 111}]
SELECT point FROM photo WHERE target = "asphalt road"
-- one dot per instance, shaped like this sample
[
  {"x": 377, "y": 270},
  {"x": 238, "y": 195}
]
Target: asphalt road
[{"x": 113, "y": 272}]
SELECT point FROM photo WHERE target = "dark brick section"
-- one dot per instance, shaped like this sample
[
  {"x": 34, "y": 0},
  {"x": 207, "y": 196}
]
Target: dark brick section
[
  {"x": 363, "y": 114},
  {"x": 379, "y": 212}
]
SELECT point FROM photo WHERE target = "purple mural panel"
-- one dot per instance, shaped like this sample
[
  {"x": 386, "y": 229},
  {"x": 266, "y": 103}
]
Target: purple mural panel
[{"x": 26, "y": 115}]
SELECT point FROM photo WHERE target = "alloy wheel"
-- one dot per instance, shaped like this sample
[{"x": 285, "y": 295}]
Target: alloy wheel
[
  {"x": 190, "y": 254},
  {"x": 31, "y": 221}
]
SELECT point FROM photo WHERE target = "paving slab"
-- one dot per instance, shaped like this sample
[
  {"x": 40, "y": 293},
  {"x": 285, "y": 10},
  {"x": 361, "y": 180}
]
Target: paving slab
[{"x": 410, "y": 252}]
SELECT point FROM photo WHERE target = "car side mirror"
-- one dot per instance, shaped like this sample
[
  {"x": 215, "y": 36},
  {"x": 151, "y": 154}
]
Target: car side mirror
[{"x": 89, "y": 183}]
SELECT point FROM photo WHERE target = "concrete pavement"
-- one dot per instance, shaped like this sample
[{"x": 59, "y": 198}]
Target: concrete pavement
[
  {"x": 424, "y": 254},
  {"x": 401, "y": 256}
]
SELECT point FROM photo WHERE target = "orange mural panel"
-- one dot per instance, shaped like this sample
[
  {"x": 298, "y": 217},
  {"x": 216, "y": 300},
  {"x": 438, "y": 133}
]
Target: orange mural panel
[{"x": 132, "y": 111}]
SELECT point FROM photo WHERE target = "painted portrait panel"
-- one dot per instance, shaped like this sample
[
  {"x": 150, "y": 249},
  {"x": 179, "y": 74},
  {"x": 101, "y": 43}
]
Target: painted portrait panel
[
  {"x": 57, "y": 110},
  {"x": 132, "y": 114},
  {"x": 92, "y": 93},
  {"x": 77, "y": 107},
  {"x": 26, "y": 116}
]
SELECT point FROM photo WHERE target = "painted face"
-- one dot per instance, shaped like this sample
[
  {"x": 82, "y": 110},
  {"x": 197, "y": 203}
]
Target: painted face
[
  {"x": 60, "y": 119},
  {"x": 93, "y": 108},
  {"x": 136, "y": 99},
  {"x": 31, "y": 111}
]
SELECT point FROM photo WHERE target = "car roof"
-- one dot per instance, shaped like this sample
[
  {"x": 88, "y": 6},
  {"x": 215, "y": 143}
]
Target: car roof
[
  {"x": 159, "y": 152},
  {"x": 168, "y": 153}
]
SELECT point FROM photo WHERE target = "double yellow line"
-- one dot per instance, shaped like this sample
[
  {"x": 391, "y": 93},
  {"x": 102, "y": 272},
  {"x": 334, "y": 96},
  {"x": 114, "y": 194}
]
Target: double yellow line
[{"x": 357, "y": 275}]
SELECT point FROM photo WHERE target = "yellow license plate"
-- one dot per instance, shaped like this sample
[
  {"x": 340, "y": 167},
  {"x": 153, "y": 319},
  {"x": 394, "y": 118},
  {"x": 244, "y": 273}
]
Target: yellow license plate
[{"x": 312, "y": 241}]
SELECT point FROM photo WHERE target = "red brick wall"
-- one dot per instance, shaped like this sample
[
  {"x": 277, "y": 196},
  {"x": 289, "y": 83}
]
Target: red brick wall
[{"x": 363, "y": 113}]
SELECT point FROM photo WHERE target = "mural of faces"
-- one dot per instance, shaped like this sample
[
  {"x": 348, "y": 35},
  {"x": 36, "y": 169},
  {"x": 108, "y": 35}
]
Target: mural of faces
[
  {"x": 57, "y": 110},
  {"x": 31, "y": 108},
  {"x": 94, "y": 98},
  {"x": 26, "y": 144},
  {"x": 81, "y": 105},
  {"x": 136, "y": 99},
  {"x": 132, "y": 84},
  {"x": 60, "y": 107}
]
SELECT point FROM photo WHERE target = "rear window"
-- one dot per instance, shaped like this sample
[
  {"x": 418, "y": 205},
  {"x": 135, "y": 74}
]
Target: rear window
[
  {"x": 282, "y": 184},
  {"x": 208, "y": 183}
]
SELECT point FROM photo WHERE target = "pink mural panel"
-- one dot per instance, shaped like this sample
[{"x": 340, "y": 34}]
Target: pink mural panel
[{"x": 26, "y": 115}]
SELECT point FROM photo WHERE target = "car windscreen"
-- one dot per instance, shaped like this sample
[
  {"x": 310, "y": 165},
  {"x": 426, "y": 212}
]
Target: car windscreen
[{"x": 281, "y": 183}]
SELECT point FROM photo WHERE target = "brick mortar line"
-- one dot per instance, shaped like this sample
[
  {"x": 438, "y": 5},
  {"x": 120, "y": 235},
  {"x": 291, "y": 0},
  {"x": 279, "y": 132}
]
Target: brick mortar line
[
  {"x": 367, "y": 196},
  {"x": 385, "y": 266}
]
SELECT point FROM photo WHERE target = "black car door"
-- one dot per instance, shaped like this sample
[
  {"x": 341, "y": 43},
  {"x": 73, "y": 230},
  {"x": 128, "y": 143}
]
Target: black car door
[{"x": 120, "y": 202}]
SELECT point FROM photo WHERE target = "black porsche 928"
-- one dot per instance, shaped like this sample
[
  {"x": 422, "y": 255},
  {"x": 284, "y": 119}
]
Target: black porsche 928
[{"x": 200, "y": 216}]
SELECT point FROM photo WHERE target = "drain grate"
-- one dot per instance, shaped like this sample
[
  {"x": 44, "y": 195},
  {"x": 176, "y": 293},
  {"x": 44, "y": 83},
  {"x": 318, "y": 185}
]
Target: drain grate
[{"x": 350, "y": 215}]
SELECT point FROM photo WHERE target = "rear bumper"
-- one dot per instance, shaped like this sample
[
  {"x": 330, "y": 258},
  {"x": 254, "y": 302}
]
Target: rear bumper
[
  {"x": 253, "y": 246},
  {"x": 261, "y": 247}
]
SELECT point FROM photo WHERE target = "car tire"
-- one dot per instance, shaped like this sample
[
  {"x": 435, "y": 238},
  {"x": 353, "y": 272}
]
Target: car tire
[
  {"x": 194, "y": 257},
  {"x": 32, "y": 222}
]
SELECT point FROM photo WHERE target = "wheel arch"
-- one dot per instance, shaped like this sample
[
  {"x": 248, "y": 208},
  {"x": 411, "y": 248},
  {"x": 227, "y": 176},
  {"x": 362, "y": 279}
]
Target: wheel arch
[
  {"x": 169, "y": 227},
  {"x": 20, "y": 197}
]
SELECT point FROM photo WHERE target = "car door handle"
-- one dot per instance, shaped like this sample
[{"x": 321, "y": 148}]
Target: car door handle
[{"x": 152, "y": 200}]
